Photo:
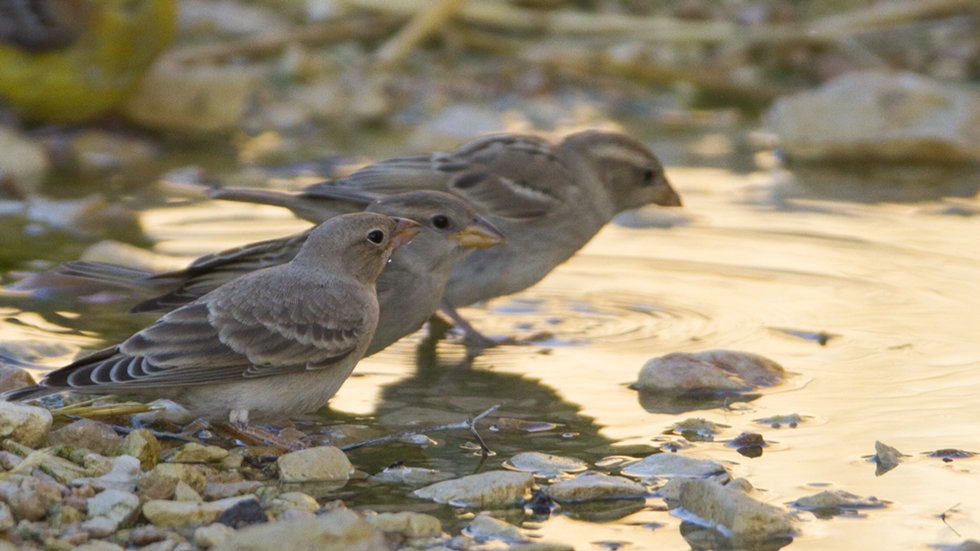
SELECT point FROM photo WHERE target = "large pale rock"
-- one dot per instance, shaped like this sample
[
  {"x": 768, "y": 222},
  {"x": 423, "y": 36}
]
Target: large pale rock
[
  {"x": 671, "y": 465},
  {"x": 27, "y": 425},
  {"x": 877, "y": 115},
  {"x": 406, "y": 523},
  {"x": 123, "y": 474},
  {"x": 709, "y": 371},
  {"x": 591, "y": 486},
  {"x": 732, "y": 512},
  {"x": 322, "y": 463},
  {"x": 23, "y": 158},
  {"x": 546, "y": 464},
  {"x": 339, "y": 530},
  {"x": 169, "y": 514},
  {"x": 12, "y": 378},
  {"x": 480, "y": 490},
  {"x": 88, "y": 434},
  {"x": 120, "y": 506}
]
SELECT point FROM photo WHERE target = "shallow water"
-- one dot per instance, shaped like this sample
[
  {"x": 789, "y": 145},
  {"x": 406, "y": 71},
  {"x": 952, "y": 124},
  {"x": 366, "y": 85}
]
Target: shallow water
[{"x": 762, "y": 263}]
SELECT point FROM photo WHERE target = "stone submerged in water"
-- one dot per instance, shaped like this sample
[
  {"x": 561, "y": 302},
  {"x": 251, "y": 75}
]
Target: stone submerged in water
[
  {"x": 874, "y": 115},
  {"x": 730, "y": 512},
  {"x": 709, "y": 371},
  {"x": 480, "y": 490},
  {"x": 338, "y": 530},
  {"x": 670, "y": 465},
  {"x": 593, "y": 486}
]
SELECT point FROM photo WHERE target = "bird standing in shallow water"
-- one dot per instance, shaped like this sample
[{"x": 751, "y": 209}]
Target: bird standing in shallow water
[
  {"x": 272, "y": 344},
  {"x": 72, "y": 60},
  {"x": 548, "y": 199},
  {"x": 409, "y": 290}
]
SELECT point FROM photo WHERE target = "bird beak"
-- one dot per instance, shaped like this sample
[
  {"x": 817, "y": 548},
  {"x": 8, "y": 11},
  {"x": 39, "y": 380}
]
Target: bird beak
[
  {"x": 405, "y": 231},
  {"x": 480, "y": 234},
  {"x": 667, "y": 196}
]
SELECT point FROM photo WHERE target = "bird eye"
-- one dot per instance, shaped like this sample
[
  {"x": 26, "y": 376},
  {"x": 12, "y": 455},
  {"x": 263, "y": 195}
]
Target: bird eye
[
  {"x": 440, "y": 221},
  {"x": 376, "y": 236},
  {"x": 648, "y": 175}
]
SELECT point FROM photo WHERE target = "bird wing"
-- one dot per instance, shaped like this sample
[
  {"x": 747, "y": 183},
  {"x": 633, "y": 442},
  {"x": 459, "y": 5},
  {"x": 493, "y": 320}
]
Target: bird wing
[
  {"x": 209, "y": 272},
  {"x": 226, "y": 338},
  {"x": 506, "y": 176}
]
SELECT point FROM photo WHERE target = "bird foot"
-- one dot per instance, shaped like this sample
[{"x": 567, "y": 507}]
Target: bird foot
[{"x": 256, "y": 436}]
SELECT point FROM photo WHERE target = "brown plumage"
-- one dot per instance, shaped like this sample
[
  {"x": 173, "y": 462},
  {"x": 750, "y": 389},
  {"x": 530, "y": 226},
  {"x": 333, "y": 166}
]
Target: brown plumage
[{"x": 275, "y": 343}]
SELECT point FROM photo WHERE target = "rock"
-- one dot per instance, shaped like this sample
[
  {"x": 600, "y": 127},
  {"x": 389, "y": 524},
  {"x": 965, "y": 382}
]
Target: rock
[
  {"x": 197, "y": 453},
  {"x": 12, "y": 378},
  {"x": 837, "y": 499},
  {"x": 792, "y": 420},
  {"x": 185, "y": 98},
  {"x": 170, "y": 514},
  {"x": 415, "y": 476},
  {"x": 886, "y": 457},
  {"x": 323, "y": 463},
  {"x": 484, "y": 527},
  {"x": 733, "y": 513},
  {"x": 98, "y": 546},
  {"x": 183, "y": 492},
  {"x": 9, "y": 460},
  {"x": 406, "y": 523},
  {"x": 870, "y": 115},
  {"x": 124, "y": 473},
  {"x": 116, "y": 505},
  {"x": 7, "y": 520},
  {"x": 547, "y": 465},
  {"x": 100, "y": 527},
  {"x": 709, "y": 371},
  {"x": 94, "y": 151},
  {"x": 968, "y": 545},
  {"x": 698, "y": 430},
  {"x": 24, "y": 502},
  {"x": 146, "y": 535},
  {"x": 27, "y": 425},
  {"x": 220, "y": 490},
  {"x": 24, "y": 159},
  {"x": 86, "y": 434},
  {"x": 242, "y": 514},
  {"x": 480, "y": 490},
  {"x": 100, "y": 465},
  {"x": 590, "y": 486},
  {"x": 293, "y": 501},
  {"x": 161, "y": 482},
  {"x": 670, "y": 465},
  {"x": 142, "y": 445},
  {"x": 209, "y": 536},
  {"x": 337, "y": 530}
]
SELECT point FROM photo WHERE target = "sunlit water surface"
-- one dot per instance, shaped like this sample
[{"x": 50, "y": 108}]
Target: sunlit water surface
[{"x": 746, "y": 267}]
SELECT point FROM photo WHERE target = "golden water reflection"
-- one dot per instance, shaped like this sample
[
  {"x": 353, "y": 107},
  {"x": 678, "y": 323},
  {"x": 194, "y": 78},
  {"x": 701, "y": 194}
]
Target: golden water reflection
[{"x": 897, "y": 283}]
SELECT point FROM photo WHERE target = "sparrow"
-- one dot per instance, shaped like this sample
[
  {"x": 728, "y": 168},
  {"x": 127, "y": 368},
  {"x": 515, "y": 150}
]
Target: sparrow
[
  {"x": 548, "y": 199},
  {"x": 409, "y": 290},
  {"x": 72, "y": 60},
  {"x": 272, "y": 344}
]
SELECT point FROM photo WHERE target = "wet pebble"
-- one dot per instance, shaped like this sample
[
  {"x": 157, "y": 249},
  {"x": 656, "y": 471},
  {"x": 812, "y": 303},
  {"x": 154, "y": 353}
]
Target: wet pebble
[
  {"x": 590, "y": 486},
  {"x": 416, "y": 476},
  {"x": 886, "y": 457},
  {"x": 12, "y": 378},
  {"x": 949, "y": 454},
  {"x": 27, "y": 425},
  {"x": 792, "y": 420},
  {"x": 183, "y": 492},
  {"x": 206, "y": 537},
  {"x": 323, "y": 463},
  {"x": 480, "y": 490},
  {"x": 100, "y": 527},
  {"x": 242, "y": 514},
  {"x": 193, "y": 452},
  {"x": 337, "y": 530},
  {"x": 142, "y": 445},
  {"x": 670, "y": 465},
  {"x": 221, "y": 490},
  {"x": 698, "y": 429},
  {"x": 170, "y": 514},
  {"x": 484, "y": 528},
  {"x": 546, "y": 465},
  {"x": 123, "y": 475},
  {"x": 838, "y": 499},
  {"x": 733, "y": 513},
  {"x": 161, "y": 481},
  {"x": 117, "y": 505},
  {"x": 709, "y": 371},
  {"x": 293, "y": 501},
  {"x": 406, "y": 523},
  {"x": 24, "y": 502}
]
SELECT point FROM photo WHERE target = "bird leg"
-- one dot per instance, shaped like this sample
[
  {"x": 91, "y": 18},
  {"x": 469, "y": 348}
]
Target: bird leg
[
  {"x": 239, "y": 428},
  {"x": 473, "y": 339}
]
